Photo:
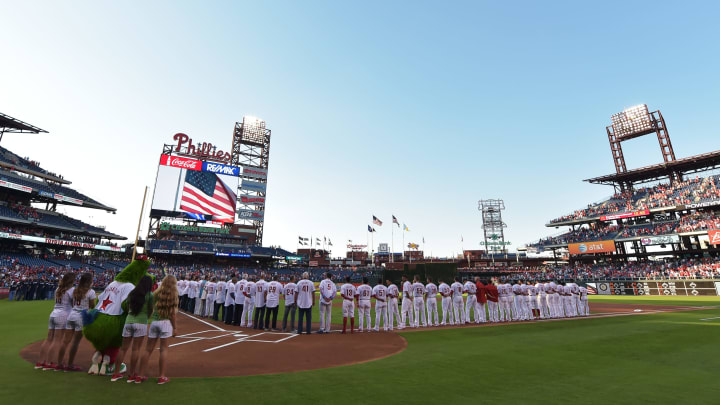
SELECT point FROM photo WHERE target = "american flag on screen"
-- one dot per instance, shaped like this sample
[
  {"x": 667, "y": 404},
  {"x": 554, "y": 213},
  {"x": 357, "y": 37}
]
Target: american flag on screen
[{"x": 205, "y": 193}]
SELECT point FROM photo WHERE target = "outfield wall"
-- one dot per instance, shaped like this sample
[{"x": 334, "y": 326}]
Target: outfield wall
[{"x": 655, "y": 287}]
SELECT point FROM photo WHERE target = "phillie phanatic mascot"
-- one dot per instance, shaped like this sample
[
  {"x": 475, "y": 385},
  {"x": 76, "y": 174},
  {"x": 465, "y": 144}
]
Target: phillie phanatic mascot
[{"x": 103, "y": 325}]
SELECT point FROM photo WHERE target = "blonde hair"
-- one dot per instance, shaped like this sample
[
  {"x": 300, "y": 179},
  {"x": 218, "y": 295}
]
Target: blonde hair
[
  {"x": 66, "y": 283},
  {"x": 166, "y": 297}
]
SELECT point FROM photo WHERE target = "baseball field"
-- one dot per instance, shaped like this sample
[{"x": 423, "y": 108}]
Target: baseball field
[{"x": 668, "y": 355}]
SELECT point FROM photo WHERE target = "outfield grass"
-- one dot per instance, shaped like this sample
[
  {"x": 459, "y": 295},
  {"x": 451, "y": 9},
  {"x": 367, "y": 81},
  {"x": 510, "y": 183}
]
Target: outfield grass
[{"x": 659, "y": 358}]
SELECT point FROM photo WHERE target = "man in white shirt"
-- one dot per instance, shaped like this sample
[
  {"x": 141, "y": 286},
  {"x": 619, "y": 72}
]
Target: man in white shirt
[
  {"x": 364, "y": 293},
  {"x": 470, "y": 289},
  {"x": 379, "y": 292},
  {"x": 328, "y": 291},
  {"x": 406, "y": 311},
  {"x": 229, "y": 301},
  {"x": 575, "y": 299},
  {"x": 457, "y": 300},
  {"x": 431, "y": 302},
  {"x": 446, "y": 294},
  {"x": 532, "y": 300},
  {"x": 552, "y": 298},
  {"x": 517, "y": 301},
  {"x": 219, "y": 298},
  {"x": 393, "y": 313},
  {"x": 584, "y": 307},
  {"x": 418, "y": 292},
  {"x": 210, "y": 300},
  {"x": 542, "y": 300},
  {"x": 274, "y": 289},
  {"x": 239, "y": 300},
  {"x": 305, "y": 302},
  {"x": 260, "y": 296},
  {"x": 183, "y": 285},
  {"x": 348, "y": 293},
  {"x": 290, "y": 293},
  {"x": 192, "y": 291},
  {"x": 247, "y": 316}
]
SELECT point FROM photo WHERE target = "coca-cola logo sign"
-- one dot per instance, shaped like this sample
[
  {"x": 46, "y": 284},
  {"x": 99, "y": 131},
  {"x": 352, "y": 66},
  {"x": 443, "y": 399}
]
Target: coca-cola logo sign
[{"x": 181, "y": 162}]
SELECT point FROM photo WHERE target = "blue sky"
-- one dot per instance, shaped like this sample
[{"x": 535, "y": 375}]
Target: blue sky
[{"x": 416, "y": 109}]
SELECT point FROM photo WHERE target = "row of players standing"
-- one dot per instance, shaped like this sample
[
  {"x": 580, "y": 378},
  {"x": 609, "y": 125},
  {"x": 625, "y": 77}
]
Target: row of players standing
[{"x": 253, "y": 302}]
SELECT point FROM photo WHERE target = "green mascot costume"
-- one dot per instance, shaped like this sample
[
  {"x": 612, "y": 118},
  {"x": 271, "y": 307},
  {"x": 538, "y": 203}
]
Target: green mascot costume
[{"x": 103, "y": 325}]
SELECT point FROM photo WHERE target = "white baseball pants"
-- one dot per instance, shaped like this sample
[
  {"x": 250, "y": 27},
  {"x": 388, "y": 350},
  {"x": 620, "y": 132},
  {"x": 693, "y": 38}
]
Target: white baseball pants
[
  {"x": 470, "y": 304},
  {"x": 247, "y": 314},
  {"x": 459, "y": 311},
  {"x": 393, "y": 312},
  {"x": 381, "y": 312},
  {"x": 447, "y": 311},
  {"x": 419, "y": 304},
  {"x": 364, "y": 314},
  {"x": 406, "y": 313},
  {"x": 325, "y": 316}
]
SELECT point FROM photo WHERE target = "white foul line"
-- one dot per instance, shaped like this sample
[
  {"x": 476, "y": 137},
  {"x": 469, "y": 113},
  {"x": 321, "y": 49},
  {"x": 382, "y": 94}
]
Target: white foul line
[
  {"x": 707, "y": 319},
  {"x": 187, "y": 341},
  {"x": 206, "y": 323}
]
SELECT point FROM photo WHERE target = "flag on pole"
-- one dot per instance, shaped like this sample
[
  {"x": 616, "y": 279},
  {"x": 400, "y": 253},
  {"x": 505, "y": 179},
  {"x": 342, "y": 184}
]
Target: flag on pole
[
  {"x": 395, "y": 221},
  {"x": 329, "y": 242},
  {"x": 405, "y": 228},
  {"x": 376, "y": 221},
  {"x": 461, "y": 239},
  {"x": 423, "y": 239},
  {"x": 369, "y": 229},
  {"x": 205, "y": 193}
]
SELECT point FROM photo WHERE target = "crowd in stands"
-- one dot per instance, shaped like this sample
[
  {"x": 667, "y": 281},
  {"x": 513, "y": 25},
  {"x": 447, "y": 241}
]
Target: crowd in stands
[
  {"x": 30, "y": 231},
  {"x": 662, "y": 195},
  {"x": 25, "y": 211}
]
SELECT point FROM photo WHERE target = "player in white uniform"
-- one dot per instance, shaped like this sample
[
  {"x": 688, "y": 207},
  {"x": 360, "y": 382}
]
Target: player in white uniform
[
  {"x": 328, "y": 291},
  {"x": 364, "y": 292},
  {"x": 348, "y": 294},
  {"x": 516, "y": 304},
  {"x": 470, "y": 289},
  {"x": 210, "y": 299},
  {"x": 239, "y": 300},
  {"x": 260, "y": 296},
  {"x": 229, "y": 301},
  {"x": 446, "y": 301},
  {"x": 406, "y": 311},
  {"x": 274, "y": 289},
  {"x": 541, "y": 300},
  {"x": 290, "y": 293},
  {"x": 431, "y": 302},
  {"x": 247, "y": 316},
  {"x": 457, "y": 300},
  {"x": 379, "y": 292},
  {"x": 393, "y": 312},
  {"x": 525, "y": 289},
  {"x": 584, "y": 307},
  {"x": 192, "y": 294},
  {"x": 219, "y": 298},
  {"x": 507, "y": 299},
  {"x": 532, "y": 302},
  {"x": 418, "y": 292},
  {"x": 575, "y": 299},
  {"x": 551, "y": 291}
]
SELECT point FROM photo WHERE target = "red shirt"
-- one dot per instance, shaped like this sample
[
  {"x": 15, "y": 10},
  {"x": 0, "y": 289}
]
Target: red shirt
[
  {"x": 481, "y": 297},
  {"x": 492, "y": 292}
]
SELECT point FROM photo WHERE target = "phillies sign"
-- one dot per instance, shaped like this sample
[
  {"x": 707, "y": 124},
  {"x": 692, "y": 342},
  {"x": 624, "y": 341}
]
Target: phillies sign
[
  {"x": 181, "y": 162},
  {"x": 202, "y": 150}
]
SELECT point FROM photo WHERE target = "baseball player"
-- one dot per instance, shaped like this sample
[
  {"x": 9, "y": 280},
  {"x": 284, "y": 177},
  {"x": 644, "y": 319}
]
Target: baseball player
[
  {"x": 210, "y": 299},
  {"x": 363, "y": 294},
  {"x": 182, "y": 287},
  {"x": 305, "y": 301},
  {"x": 481, "y": 298},
  {"x": 274, "y": 288},
  {"x": 290, "y": 292},
  {"x": 517, "y": 301},
  {"x": 239, "y": 300},
  {"x": 348, "y": 293},
  {"x": 328, "y": 291},
  {"x": 247, "y": 316},
  {"x": 525, "y": 289},
  {"x": 491, "y": 291},
  {"x": 406, "y": 310},
  {"x": 551, "y": 291},
  {"x": 379, "y": 292},
  {"x": 446, "y": 294},
  {"x": 457, "y": 301},
  {"x": 229, "y": 301},
  {"x": 418, "y": 292},
  {"x": 533, "y": 302},
  {"x": 541, "y": 300},
  {"x": 575, "y": 299},
  {"x": 506, "y": 299},
  {"x": 192, "y": 294},
  {"x": 584, "y": 307},
  {"x": 393, "y": 313},
  {"x": 470, "y": 289},
  {"x": 260, "y": 296},
  {"x": 219, "y": 298},
  {"x": 431, "y": 302}
]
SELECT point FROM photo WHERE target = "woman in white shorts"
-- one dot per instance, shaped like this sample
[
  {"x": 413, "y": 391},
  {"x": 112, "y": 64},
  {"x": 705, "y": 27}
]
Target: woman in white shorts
[
  {"x": 162, "y": 326},
  {"x": 83, "y": 297},
  {"x": 140, "y": 306},
  {"x": 58, "y": 317}
]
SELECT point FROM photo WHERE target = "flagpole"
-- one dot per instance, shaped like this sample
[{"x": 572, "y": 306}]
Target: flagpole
[
  {"x": 403, "y": 245},
  {"x": 137, "y": 234},
  {"x": 392, "y": 241},
  {"x": 372, "y": 247}
]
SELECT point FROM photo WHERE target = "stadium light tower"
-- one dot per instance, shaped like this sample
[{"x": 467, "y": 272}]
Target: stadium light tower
[
  {"x": 251, "y": 150},
  {"x": 634, "y": 122},
  {"x": 493, "y": 226}
]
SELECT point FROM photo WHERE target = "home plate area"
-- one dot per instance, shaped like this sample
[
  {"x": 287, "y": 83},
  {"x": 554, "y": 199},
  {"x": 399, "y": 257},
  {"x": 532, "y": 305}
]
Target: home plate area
[{"x": 224, "y": 338}]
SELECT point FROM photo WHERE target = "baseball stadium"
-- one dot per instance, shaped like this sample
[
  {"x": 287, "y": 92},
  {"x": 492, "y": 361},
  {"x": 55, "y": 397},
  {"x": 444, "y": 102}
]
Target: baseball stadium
[{"x": 199, "y": 294}]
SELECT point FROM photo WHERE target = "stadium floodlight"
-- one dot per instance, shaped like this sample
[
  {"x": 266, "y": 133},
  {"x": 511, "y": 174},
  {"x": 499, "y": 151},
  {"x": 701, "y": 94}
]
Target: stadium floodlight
[
  {"x": 635, "y": 120},
  {"x": 253, "y": 130}
]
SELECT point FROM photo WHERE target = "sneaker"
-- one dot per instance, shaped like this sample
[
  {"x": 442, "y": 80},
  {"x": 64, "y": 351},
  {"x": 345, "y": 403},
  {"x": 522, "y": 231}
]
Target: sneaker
[
  {"x": 320, "y": 332},
  {"x": 139, "y": 379},
  {"x": 73, "y": 368},
  {"x": 59, "y": 367},
  {"x": 49, "y": 366},
  {"x": 116, "y": 377},
  {"x": 163, "y": 380},
  {"x": 131, "y": 379},
  {"x": 39, "y": 365}
]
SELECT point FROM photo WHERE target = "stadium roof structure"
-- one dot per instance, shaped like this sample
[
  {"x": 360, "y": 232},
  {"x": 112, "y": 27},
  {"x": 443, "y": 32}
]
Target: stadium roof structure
[
  {"x": 689, "y": 165},
  {"x": 15, "y": 126}
]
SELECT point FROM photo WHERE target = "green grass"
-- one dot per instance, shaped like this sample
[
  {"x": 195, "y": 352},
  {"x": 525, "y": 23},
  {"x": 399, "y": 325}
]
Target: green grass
[{"x": 659, "y": 358}]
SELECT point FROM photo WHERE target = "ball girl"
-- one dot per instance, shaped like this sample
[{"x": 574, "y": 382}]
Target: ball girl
[
  {"x": 162, "y": 327},
  {"x": 140, "y": 306},
  {"x": 56, "y": 325},
  {"x": 83, "y": 298}
]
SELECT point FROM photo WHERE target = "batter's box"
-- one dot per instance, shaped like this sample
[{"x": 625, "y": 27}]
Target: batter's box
[
  {"x": 270, "y": 337},
  {"x": 207, "y": 334}
]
